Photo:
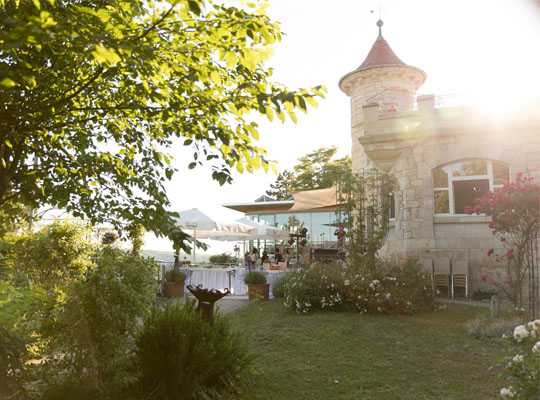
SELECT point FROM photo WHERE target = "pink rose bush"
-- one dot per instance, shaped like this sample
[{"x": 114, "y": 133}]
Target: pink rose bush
[{"x": 515, "y": 217}]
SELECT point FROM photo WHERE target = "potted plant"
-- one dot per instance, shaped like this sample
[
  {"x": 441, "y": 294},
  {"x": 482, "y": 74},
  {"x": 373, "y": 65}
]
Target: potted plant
[
  {"x": 257, "y": 286},
  {"x": 174, "y": 286}
]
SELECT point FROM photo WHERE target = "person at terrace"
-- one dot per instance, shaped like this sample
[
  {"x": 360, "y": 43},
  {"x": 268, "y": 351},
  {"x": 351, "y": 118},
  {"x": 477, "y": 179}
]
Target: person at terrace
[
  {"x": 254, "y": 256},
  {"x": 278, "y": 255},
  {"x": 286, "y": 256}
]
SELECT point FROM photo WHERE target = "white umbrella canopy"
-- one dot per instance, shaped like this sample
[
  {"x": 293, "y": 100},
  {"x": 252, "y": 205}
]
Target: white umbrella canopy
[
  {"x": 199, "y": 225},
  {"x": 265, "y": 232}
]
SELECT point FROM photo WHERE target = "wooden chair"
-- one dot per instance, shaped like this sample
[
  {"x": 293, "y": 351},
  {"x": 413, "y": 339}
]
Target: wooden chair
[
  {"x": 441, "y": 273},
  {"x": 427, "y": 268},
  {"x": 460, "y": 276}
]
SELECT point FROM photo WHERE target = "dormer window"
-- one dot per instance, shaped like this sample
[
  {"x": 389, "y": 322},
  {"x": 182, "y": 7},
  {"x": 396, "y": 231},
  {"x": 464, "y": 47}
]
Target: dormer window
[{"x": 456, "y": 185}]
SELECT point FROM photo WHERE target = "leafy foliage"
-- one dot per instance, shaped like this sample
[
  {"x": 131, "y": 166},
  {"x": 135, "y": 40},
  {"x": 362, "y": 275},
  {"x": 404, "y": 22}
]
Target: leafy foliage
[
  {"x": 254, "y": 277},
  {"x": 282, "y": 188},
  {"x": 136, "y": 235},
  {"x": 279, "y": 285},
  {"x": 96, "y": 94},
  {"x": 54, "y": 255},
  {"x": 520, "y": 363},
  {"x": 492, "y": 330},
  {"x": 21, "y": 308},
  {"x": 222, "y": 258},
  {"x": 315, "y": 170},
  {"x": 315, "y": 287},
  {"x": 182, "y": 356},
  {"x": 515, "y": 217},
  {"x": 94, "y": 326},
  {"x": 175, "y": 275},
  {"x": 389, "y": 289},
  {"x": 365, "y": 199}
]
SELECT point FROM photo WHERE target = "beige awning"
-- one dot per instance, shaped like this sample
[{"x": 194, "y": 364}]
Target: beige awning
[{"x": 312, "y": 200}]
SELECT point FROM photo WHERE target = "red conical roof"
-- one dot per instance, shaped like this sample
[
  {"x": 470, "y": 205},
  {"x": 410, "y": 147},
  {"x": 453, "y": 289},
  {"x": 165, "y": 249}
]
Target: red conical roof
[{"x": 380, "y": 54}]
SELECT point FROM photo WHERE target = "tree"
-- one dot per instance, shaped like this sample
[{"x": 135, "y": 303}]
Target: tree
[
  {"x": 315, "y": 170},
  {"x": 281, "y": 189},
  {"x": 95, "y": 95}
]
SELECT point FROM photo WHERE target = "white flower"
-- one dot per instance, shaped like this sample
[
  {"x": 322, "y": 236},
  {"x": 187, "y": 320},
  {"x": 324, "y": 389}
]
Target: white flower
[
  {"x": 536, "y": 348},
  {"x": 536, "y": 325},
  {"x": 517, "y": 358},
  {"x": 387, "y": 296},
  {"x": 504, "y": 337},
  {"x": 507, "y": 393},
  {"x": 520, "y": 333},
  {"x": 347, "y": 282}
]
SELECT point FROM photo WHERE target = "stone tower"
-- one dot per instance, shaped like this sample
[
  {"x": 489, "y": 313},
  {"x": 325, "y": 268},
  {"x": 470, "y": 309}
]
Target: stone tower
[{"x": 383, "y": 80}]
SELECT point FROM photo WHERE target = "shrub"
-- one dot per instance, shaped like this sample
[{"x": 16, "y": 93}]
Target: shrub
[
  {"x": 388, "y": 288},
  {"x": 56, "y": 254},
  {"x": 483, "y": 294},
  {"x": 175, "y": 275},
  {"x": 222, "y": 258},
  {"x": 485, "y": 328},
  {"x": 520, "y": 363},
  {"x": 181, "y": 356},
  {"x": 315, "y": 287},
  {"x": 254, "y": 277},
  {"x": 94, "y": 328},
  {"x": 278, "y": 285}
]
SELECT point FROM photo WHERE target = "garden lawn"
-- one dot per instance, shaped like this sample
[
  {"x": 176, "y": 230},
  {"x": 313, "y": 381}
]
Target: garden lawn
[{"x": 345, "y": 355}]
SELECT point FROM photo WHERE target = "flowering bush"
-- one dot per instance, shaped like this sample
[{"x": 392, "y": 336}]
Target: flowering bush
[
  {"x": 521, "y": 363},
  {"x": 388, "y": 289},
  {"x": 315, "y": 287},
  {"x": 515, "y": 218}
]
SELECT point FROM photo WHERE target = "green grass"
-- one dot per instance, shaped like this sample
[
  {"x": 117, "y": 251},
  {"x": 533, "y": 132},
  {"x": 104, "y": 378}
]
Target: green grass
[{"x": 345, "y": 355}]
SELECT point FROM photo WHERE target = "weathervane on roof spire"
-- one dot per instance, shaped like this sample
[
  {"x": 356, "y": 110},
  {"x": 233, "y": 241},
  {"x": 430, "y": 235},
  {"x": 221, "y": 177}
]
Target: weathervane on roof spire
[{"x": 380, "y": 22}]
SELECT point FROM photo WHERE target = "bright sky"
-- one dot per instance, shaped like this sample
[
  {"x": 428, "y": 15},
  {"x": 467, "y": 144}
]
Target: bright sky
[{"x": 489, "y": 48}]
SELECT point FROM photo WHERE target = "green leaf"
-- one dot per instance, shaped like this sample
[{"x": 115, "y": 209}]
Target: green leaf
[
  {"x": 104, "y": 55},
  {"x": 7, "y": 82},
  {"x": 231, "y": 58}
]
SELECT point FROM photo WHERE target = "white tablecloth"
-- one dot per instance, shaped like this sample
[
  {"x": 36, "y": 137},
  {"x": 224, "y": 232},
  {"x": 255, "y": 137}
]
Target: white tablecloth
[{"x": 217, "y": 278}]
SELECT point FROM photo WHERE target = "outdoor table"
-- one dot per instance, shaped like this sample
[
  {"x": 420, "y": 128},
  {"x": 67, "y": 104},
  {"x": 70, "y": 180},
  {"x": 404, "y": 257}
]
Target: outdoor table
[{"x": 218, "y": 278}]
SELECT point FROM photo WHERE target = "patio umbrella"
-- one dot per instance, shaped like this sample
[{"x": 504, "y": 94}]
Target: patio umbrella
[
  {"x": 265, "y": 232},
  {"x": 199, "y": 225}
]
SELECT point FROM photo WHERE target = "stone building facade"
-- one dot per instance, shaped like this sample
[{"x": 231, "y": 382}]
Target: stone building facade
[{"x": 442, "y": 157}]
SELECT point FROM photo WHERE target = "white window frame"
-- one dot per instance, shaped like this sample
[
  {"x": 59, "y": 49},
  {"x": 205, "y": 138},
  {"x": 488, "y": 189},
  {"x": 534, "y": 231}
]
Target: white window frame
[{"x": 451, "y": 179}]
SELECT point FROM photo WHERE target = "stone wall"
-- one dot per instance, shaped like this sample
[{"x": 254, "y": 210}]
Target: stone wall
[{"x": 416, "y": 232}]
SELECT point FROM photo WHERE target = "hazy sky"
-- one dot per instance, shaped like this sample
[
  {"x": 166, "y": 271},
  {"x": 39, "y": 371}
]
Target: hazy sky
[{"x": 489, "y": 48}]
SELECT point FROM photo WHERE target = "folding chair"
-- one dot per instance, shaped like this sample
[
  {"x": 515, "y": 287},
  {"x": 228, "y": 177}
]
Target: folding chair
[
  {"x": 427, "y": 268},
  {"x": 460, "y": 276},
  {"x": 441, "y": 273}
]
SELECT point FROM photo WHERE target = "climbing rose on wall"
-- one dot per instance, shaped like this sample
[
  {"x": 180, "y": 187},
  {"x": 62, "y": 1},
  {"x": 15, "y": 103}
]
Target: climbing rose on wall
[{"x": 515, "y": 217}]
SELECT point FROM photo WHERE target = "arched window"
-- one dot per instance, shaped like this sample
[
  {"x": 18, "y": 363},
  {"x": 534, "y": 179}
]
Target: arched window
[{"x": 456, "y": 185}]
